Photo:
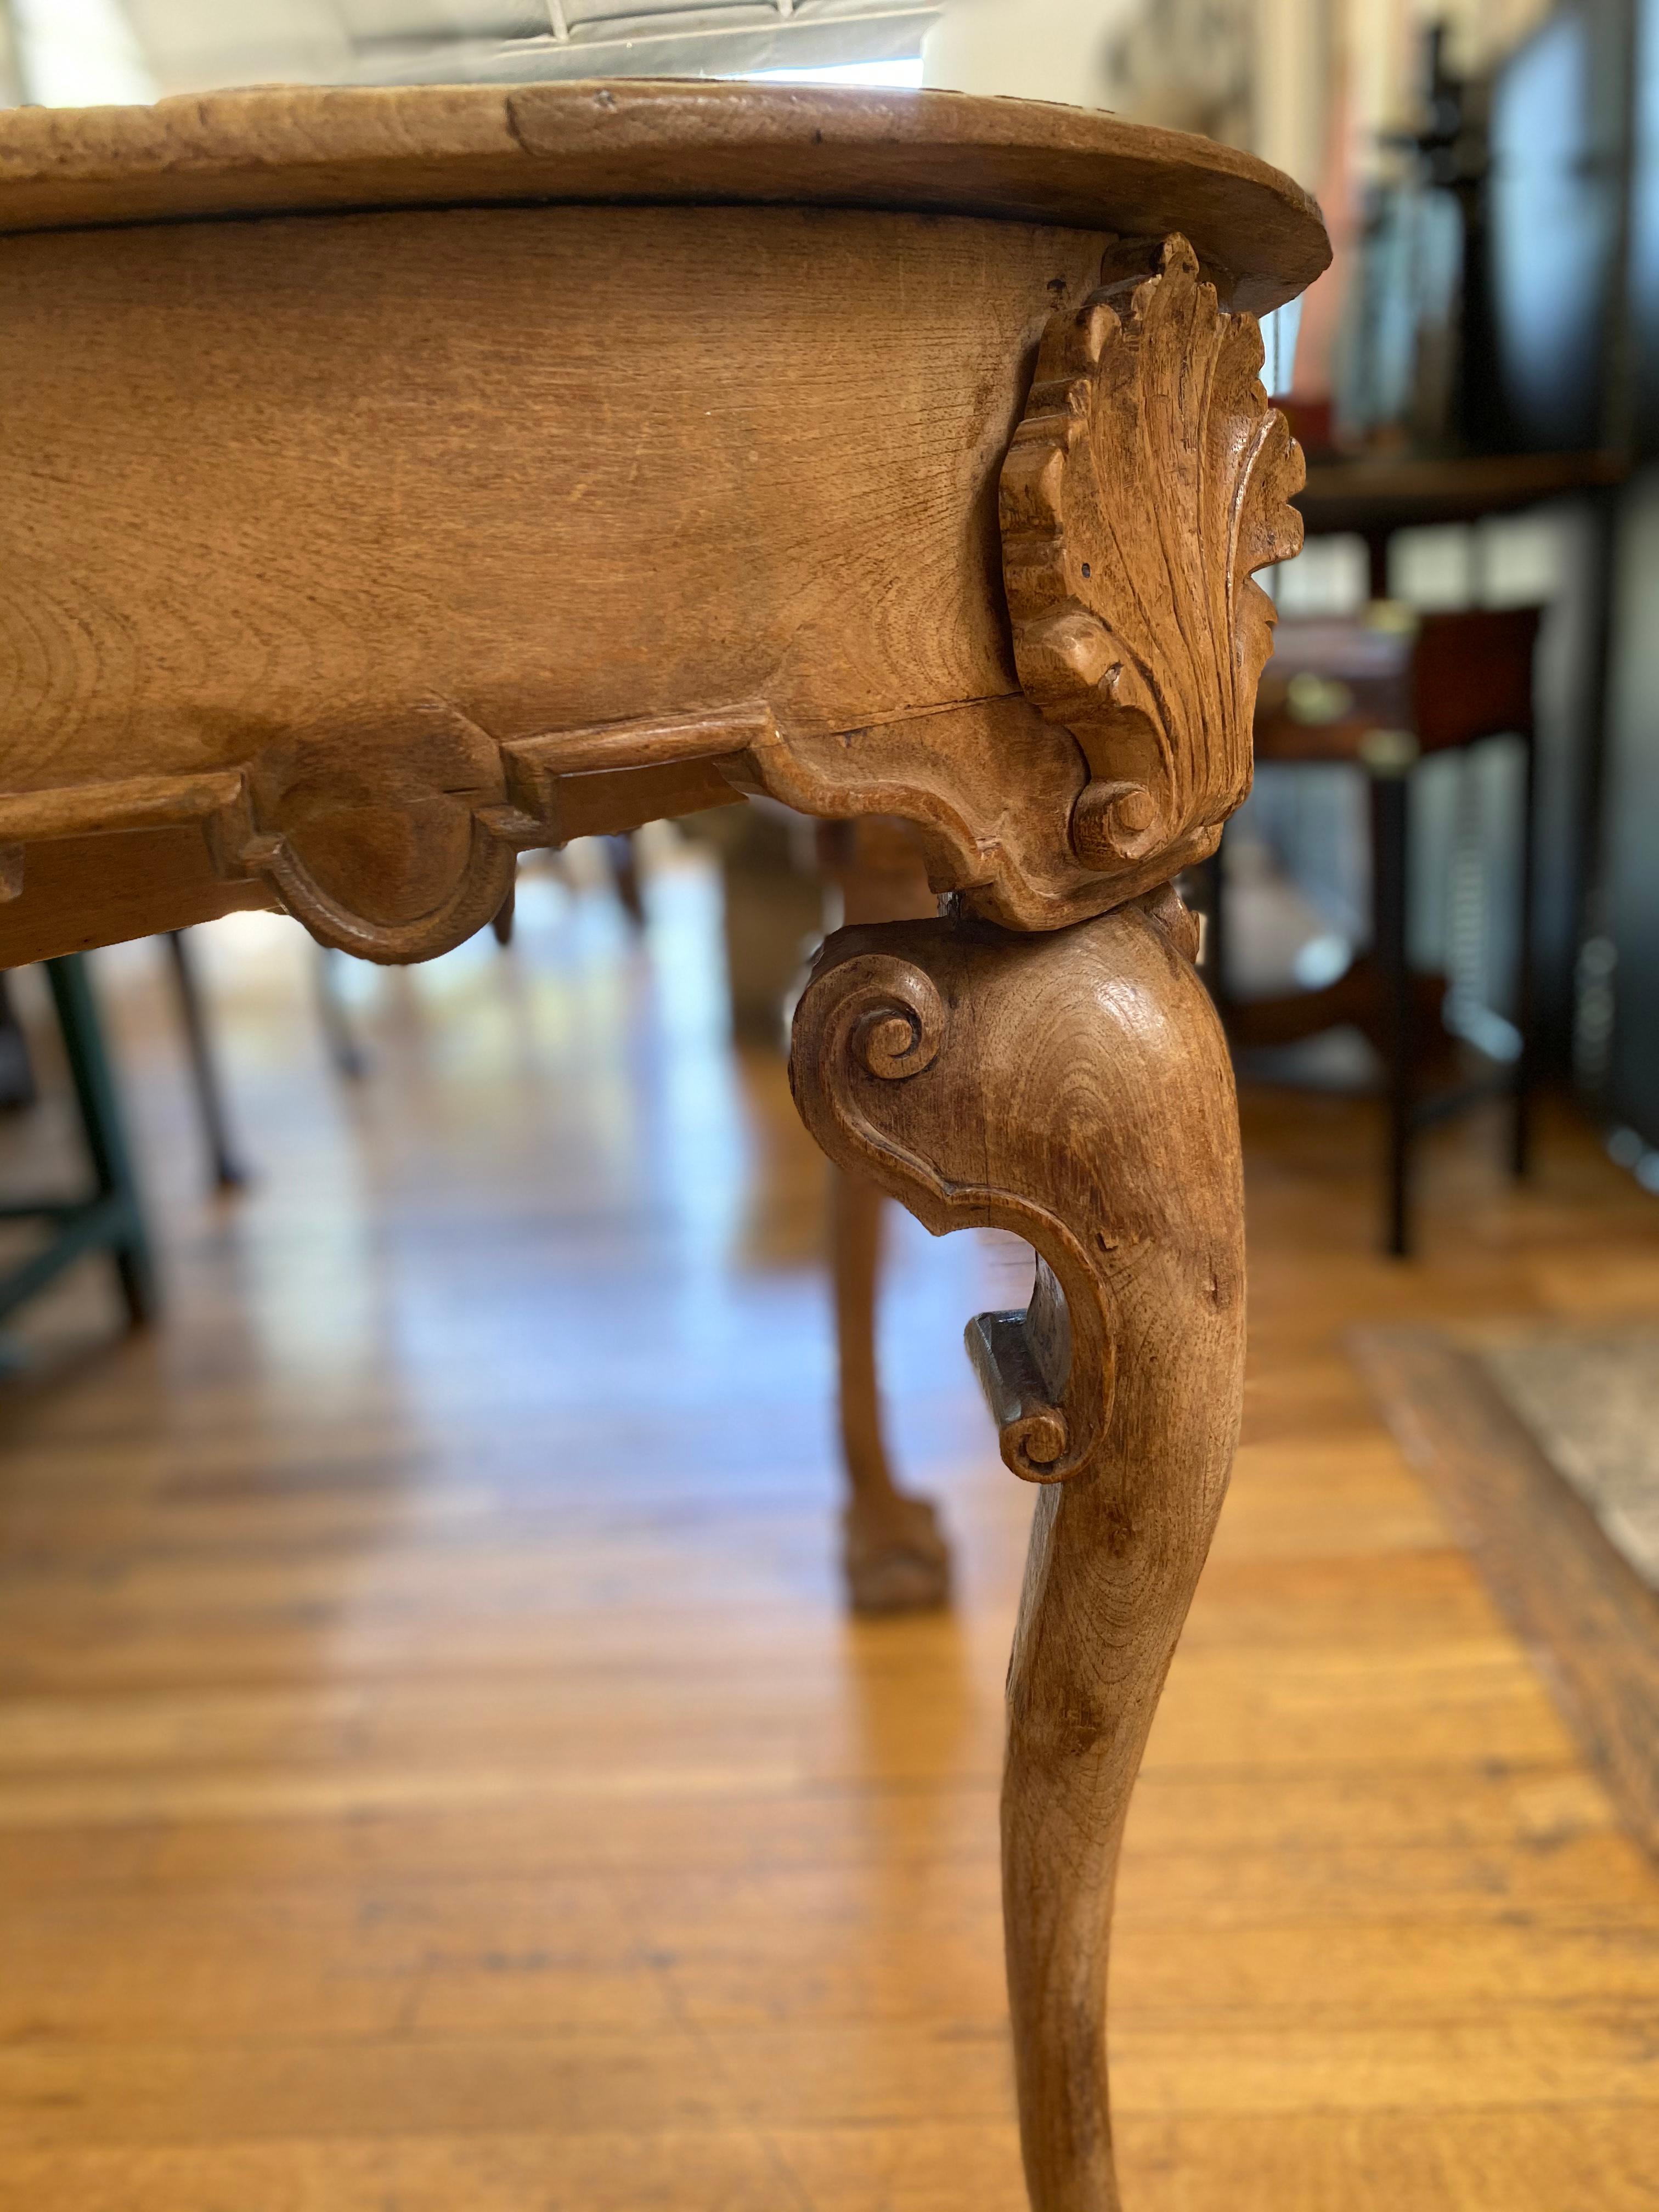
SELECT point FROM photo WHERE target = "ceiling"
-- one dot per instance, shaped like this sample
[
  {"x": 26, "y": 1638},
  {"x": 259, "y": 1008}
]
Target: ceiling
[{"x": 161, "y": 46}]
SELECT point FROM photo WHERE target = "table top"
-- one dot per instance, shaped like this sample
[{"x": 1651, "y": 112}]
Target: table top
[
  {"x": 291, "y": 150},
  {"x": 1394, "y": 495}
]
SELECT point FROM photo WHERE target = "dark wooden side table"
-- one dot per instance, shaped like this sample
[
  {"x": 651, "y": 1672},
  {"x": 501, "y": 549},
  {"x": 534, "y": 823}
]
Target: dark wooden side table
[
  {"x": 1374, "y": 499},
  {"x": 394, "y": 481},
  {"x": 1377, "y": 696}
]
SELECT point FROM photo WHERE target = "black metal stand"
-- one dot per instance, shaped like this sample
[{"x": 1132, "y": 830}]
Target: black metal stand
[
  {"x": 16, "y": 1069},
  {"x": 111, "y": 1219}
]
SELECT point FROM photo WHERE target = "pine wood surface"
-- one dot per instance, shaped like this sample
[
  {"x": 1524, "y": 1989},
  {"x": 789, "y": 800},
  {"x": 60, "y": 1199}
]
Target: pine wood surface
[{"x": 435, "y": 1767}]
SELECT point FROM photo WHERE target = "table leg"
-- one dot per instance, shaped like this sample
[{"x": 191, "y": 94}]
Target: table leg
[
  {"x": 894, "y": 1551},
  {"x": 118, "y": 1223},
  {"x": 895, "y": 1555},
  {"x": 1072, "y": 1087}
]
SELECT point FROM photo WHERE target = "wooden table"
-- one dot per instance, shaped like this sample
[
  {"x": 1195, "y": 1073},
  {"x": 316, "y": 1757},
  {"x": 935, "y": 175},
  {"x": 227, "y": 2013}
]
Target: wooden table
[
  {"x": 393, "y": 481},
  {"x": 1373, "y": 499}
]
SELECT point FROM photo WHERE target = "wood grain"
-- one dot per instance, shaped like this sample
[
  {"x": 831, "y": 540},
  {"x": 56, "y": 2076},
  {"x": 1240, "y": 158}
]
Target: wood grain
[
  {"x": 627, "y": 412},
  {"x": 1146, "y": 483},
  {"x": 1591, "y": 1621},
  {"x": 1075, "y": 1089},
  {"x": 1380, "y": 1938},
  {"x": 286, "y": 148},
  {"x": 355, "y": 521},
  {"x": 383, "y": 459}
]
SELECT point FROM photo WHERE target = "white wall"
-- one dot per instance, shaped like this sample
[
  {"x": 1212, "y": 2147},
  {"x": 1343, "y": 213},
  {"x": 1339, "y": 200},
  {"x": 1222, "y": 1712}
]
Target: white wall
[
  {"x": 78, "y": 53},
  {"x": 1032, "y": 49}
]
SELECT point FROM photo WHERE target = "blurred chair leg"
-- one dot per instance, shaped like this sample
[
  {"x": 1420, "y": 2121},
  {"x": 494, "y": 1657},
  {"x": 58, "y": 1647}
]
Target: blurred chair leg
[
  {"x": 227, "y": 1173},
  {"x": 17, "y": 1086},
  {"x": 1391, "y": 808},
  {"x": 502, "y": 925},
  {"x": 343, "y": 1049},
  {"x": 625, "y": 875},
  {"x": 896, "y": 1559},
  {"x": 1526, "y": 1011},
  {"x": 100, "y": 1105}
]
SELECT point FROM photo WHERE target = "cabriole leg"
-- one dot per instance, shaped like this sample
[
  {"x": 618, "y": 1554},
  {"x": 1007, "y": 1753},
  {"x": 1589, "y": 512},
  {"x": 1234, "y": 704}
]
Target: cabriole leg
[{"x": 1072, "y": 1087}]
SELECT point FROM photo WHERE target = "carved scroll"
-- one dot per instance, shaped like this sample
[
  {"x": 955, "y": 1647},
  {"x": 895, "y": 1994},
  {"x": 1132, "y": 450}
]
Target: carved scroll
[
  {"x": 1148, "y": 480},
  {"x": 392, "y": 843},
  {"x": 867, "y": 1076},
  {"x": 1073, "y": 1087},
  {"x": 396, "y": 840}
]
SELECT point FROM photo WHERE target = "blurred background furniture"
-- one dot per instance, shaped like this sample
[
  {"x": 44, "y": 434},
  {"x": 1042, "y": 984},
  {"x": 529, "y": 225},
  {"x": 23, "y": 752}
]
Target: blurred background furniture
[
  {"x": 16, "y": 1068},
  {"x": 894, "y": 1551},
  {"x": 1379, "y": 693},
  {"x": 227, "y": 1170},
  {"x": 111, "y": 1219},
  {"x": 622, "y": 865},
  {"x": 1374, "y": 499},
  {"x": 773, "y": 910},
  {"x": 785, "y": 881},
  {"x": 775, "y": 867}
]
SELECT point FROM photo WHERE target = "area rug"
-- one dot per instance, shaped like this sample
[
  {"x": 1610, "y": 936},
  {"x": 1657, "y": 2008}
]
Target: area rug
[
  {"x": 1541, "y": 1445},
  {"x": 1591, "y": 1401}
]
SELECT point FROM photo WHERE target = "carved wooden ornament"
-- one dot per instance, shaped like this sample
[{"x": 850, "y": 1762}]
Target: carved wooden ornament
[
  {"x": 1149, "y": 478},
  {"x": 1074, "y": 1086},
  {"x": 1145, "y": 483}
]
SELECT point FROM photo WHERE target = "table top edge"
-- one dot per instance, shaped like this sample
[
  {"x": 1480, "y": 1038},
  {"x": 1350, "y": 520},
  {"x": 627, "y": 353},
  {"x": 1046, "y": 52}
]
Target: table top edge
[{"x": 297, "y": 150}]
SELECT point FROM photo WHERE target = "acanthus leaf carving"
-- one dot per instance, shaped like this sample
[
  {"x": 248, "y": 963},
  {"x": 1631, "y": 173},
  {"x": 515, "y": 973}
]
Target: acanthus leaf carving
[{"x": 1148, "y": 480}]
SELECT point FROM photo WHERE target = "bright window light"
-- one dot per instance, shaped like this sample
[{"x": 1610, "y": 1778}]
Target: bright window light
[
  {"x": 79, "y": 53},
  {"x": 900, "y": 74},
  {"x": 1279, "y": 337}
]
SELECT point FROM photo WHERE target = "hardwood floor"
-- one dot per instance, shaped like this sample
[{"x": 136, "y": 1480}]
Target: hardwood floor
[{"x": 437, "y": 1772}]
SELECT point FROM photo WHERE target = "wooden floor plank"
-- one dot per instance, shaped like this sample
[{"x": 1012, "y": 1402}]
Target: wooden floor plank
[
  {"x": 435, "y": 1768},
  {"x": 1581, "y": 2159},
  {"x": 1588, "y": 1619}
]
